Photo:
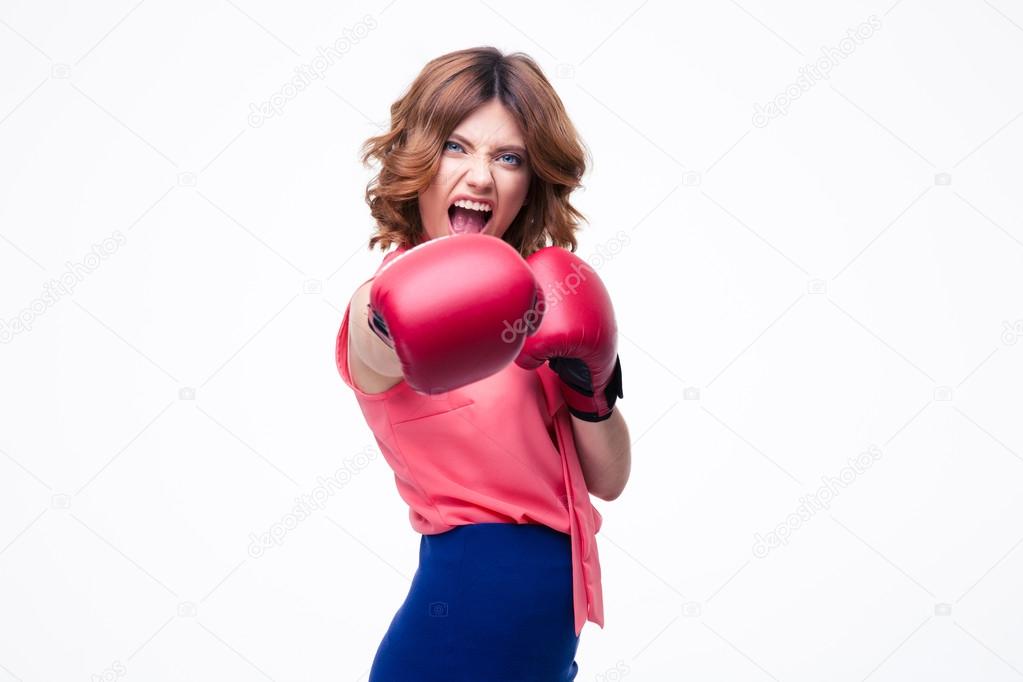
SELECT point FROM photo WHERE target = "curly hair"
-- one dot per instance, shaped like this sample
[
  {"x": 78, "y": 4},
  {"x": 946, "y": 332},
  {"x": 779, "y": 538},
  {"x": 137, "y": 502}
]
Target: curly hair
[{"x": 448, "y": 89}]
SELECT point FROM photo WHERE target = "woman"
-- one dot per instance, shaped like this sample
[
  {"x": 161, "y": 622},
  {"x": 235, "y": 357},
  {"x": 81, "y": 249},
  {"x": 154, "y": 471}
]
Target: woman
[{"x": 496, "y": 459}]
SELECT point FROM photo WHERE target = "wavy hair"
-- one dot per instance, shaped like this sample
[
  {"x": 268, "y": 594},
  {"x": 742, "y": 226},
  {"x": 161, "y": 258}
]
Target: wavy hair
[{"x": 448, "y": 89}]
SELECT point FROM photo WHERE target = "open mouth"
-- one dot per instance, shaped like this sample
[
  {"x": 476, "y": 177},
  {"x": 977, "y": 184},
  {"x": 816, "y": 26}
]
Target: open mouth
[{"x": 466, "y": 217}]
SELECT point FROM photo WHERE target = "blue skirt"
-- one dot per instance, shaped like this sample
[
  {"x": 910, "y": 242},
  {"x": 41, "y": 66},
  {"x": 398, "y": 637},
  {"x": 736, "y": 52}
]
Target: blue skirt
[{"x": 489, "y": 601}]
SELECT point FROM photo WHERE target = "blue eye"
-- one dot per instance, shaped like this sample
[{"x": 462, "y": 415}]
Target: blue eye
[{"x": 452, "y": 146}]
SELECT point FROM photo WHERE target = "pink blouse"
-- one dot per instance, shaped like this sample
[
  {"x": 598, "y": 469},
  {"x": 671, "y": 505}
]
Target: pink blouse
[{"x": 500, "y": 450}]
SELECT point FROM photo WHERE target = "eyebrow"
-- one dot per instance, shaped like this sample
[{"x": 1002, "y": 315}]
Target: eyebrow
[{"x": 507, "y": 147}]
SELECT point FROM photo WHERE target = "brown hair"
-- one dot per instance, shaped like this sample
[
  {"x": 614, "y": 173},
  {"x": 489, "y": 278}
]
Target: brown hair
[{"x": 448, "y": 89}]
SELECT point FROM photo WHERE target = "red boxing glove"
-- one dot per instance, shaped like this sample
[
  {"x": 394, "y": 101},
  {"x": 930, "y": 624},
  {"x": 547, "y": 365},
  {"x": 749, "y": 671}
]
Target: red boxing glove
[
  {"x": 445, "y": 307},
  {"x": 577, "y": 333}
]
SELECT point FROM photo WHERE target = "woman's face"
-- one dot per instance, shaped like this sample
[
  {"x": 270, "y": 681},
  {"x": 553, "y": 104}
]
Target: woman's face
[{"x": 483, "y": 161}]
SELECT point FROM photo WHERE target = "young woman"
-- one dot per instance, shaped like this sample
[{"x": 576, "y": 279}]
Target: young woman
[{"x": 483, "y": 354}]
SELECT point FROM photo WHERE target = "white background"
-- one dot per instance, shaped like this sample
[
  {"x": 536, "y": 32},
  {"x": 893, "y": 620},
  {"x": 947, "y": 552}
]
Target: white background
[{"x": 789, "y": 295}]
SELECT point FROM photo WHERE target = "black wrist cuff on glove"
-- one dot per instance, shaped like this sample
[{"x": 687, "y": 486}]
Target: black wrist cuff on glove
[
  {"x": 379, "y": 327},
  {"x": 574, "y": 373}
]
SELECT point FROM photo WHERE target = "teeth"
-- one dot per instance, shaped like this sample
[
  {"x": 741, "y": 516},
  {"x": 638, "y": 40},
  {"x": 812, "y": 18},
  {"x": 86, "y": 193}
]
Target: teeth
[{"x": 472, "y": 205}]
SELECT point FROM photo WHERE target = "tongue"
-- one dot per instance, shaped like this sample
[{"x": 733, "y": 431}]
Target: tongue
[{"x": 466, "y": 220}]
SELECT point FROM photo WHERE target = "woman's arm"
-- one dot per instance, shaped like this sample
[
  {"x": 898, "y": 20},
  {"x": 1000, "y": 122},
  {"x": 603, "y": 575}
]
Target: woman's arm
[
  {"x": 374, "y": 367},
  {"x": 605, "y": 454}
]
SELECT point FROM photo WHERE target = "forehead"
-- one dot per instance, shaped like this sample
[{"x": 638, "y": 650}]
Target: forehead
[{"x": 492, "y": 123}]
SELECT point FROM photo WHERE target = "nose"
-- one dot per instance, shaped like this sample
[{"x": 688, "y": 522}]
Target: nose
[{"x": 478, "y": 176}]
